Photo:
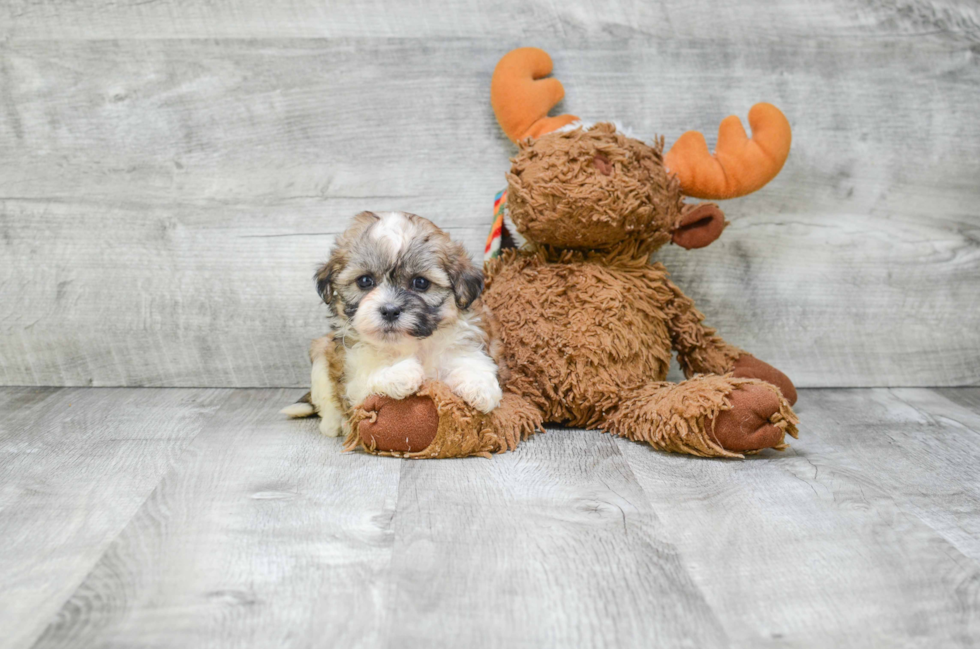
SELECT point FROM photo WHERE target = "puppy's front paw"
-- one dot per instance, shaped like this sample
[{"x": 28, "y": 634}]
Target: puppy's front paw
[
  {"x": 331, "y": 422},
  {"x": 399, "y": 380},
  {"x": 480, "y": 390}
]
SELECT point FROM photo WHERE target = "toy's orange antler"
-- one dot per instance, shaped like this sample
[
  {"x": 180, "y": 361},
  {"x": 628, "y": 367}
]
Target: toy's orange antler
[
  {"x": 740, "y": 165},
  {"x": 521, "y": 98}
]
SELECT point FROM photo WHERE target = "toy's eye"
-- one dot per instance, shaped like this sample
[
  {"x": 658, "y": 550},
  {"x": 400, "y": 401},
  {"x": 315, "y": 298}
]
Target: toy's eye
[
  {"x": 420, "y": 283},
  {"x": 365, "y": 282}
]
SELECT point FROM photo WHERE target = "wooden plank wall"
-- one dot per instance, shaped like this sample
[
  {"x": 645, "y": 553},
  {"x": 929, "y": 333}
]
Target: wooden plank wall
[{"x": 171, "y": 173}]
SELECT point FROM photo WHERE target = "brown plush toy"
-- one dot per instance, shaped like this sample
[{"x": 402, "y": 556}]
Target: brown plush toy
[{"x": 587, "y": 322}]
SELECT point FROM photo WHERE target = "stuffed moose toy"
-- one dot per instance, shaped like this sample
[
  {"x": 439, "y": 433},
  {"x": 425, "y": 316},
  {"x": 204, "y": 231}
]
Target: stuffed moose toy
[{"x": 587, "y": 322}]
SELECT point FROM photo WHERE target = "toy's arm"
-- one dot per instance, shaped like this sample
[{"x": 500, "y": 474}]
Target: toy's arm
[{"x": 699, "y": 349}]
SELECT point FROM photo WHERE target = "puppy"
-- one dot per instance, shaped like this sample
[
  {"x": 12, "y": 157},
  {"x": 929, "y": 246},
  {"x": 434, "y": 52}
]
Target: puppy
[{"x": 403, "y": 309}]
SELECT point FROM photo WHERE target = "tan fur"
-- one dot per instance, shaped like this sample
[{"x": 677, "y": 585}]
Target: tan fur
[{"x": 332, "y": 350}]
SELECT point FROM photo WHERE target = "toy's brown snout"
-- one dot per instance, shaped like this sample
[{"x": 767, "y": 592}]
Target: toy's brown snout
[{"x": 699, "y": 226}]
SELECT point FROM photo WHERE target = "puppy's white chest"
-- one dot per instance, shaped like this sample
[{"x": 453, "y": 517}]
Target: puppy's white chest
[{"x": 398, "y": 372}]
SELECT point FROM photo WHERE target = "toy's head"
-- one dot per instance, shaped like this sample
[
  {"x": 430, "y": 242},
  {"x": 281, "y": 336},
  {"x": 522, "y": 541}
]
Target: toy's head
[{"x": 593, "y": 187}]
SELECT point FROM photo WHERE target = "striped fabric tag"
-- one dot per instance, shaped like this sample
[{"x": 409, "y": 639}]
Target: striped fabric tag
[{"x": 492, "y": 249}]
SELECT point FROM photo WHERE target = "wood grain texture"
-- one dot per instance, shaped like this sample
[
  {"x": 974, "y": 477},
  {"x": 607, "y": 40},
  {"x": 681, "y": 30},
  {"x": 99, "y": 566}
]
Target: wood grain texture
[
  {"x": 922, "y": 448},
  {"x": 76, "y": 465},
  {"x": 844, "y": 540},
  {"x": 265, "y": 535},
  {"x": 201, "y": 518},
  {"x": 525, "y": 20},
  {"x": 554, "y": 546},
  {"x": 166, "y": 196}
]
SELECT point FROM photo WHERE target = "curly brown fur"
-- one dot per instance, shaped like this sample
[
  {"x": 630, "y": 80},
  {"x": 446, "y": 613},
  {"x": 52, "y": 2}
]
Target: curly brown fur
[
  {"x": 680, "y": 417},
  {"x": 556, "y": 196},
  {"x": 559, "y": 359},
  {"x": 700, "y": 350},
  {"x": 462, "y": 431},
  {"x": 587, "y": 322}
]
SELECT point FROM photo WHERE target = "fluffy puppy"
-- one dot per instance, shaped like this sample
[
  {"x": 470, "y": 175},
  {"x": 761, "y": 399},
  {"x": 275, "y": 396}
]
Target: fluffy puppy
[{"x": 403, "y": 309}]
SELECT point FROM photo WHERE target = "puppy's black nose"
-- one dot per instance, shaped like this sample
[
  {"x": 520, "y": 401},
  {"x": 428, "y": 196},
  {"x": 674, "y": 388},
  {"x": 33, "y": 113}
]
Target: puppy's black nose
[{"x": 390, "y": 312}]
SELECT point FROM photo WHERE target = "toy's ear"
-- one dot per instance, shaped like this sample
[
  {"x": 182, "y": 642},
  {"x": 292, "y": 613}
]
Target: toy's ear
[{"x": 699, "y": 226}]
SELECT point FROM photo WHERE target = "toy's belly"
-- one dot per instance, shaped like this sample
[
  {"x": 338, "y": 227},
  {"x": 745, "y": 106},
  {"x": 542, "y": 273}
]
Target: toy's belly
[{"x": 580, "y": 336}]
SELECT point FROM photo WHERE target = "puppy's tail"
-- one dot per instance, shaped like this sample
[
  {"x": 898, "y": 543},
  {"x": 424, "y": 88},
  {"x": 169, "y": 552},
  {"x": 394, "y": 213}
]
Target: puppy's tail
[{"x": 302, "y": 408}]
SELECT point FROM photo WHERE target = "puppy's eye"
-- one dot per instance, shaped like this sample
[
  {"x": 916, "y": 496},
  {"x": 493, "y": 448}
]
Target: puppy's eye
[
  {"x": 420, "y": 283},
  {"x": 365, "y": 282}
]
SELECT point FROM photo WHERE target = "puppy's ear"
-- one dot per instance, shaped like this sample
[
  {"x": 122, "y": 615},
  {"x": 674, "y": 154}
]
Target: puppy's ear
[
  {"x": 325, "y": 276},
  {"x": 361, "y": 222},
  {"x": 467, "y": 279}
]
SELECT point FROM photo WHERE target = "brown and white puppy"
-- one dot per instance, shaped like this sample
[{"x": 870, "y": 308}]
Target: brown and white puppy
[{"x": 401, "y": 297}]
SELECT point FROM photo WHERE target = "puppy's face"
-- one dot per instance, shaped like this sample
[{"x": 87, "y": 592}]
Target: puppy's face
[{"x": 394, "y": 276}]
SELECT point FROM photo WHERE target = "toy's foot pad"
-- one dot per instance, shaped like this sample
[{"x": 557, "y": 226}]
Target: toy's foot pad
[
  {"x": 752, "y": 422},
  {"x": 750, "y": 367},
  {"x": 404, "y": 425}
]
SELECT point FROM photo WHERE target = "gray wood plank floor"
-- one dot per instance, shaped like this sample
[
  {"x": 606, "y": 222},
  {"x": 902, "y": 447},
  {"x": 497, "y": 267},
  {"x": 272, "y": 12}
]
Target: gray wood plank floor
[{"x": 201, "y": 518}]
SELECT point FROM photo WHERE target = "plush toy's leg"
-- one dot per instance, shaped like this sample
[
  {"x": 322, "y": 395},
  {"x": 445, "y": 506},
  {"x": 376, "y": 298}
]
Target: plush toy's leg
[
  {"x": 711, "y": 416},
  {"x": 435, "y": 423}
]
